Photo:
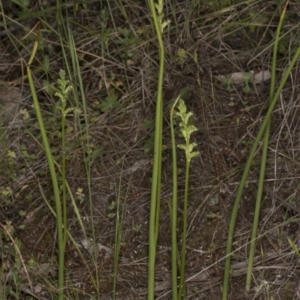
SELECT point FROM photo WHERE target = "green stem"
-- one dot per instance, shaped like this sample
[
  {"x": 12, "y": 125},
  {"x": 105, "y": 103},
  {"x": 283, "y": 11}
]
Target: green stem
[
  {"x": 64, "y": 189},
  {"x": 60, "y": 231},
  {"x": 156, "y": 172},
  {"x": 245, "y": 174},
  {"x": 184, "y": 234},
  {"x": 157, "y": 213},
  {"x": 263, "y": 160},
  {"x": 118, "y": 233},
  {"x": 174, "y": 206}
]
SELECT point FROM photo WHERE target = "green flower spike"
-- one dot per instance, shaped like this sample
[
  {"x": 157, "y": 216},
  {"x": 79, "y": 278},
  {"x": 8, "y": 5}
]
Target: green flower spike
[{"x": 186, "y": 130}]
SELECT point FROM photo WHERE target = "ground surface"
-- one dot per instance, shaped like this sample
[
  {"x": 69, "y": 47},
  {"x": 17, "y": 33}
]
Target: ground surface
[{"x": 118, "y": 60}]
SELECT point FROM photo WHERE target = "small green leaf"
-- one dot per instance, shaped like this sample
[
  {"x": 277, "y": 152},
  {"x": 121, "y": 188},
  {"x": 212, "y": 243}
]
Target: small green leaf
[
  {"x": 165, "y": 24},
  {"x": 22, "y": 3},
  {"x": 46, "y": 64},
  {"x": 49, "y": 88},
  {"x": 185, "y": 93},
  {"x": 68, "y": 110},
  {"x": 112, "y": 205},
  {"x": 247, "y": 76},
  {"x": 159, "y": 6},
  {"x": 191, "y": 129},
  {"x": 148, "y": 123},
  {"x": 148, "y": 144},
  {"x": 191, "y": 147},
  {"x": 181, "y": 146},
  {"x": 60, "y": 96},
  {"x": 295, "y": 248},
  {"x": 246, "y": 89},
  {"x": 96, "y": 153},
  {"x": 111, "y": 215},
  {"x": 22, "y": 213},
  {"x": 109, "y": 103},
  {"x": 194, "y": 154}
]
